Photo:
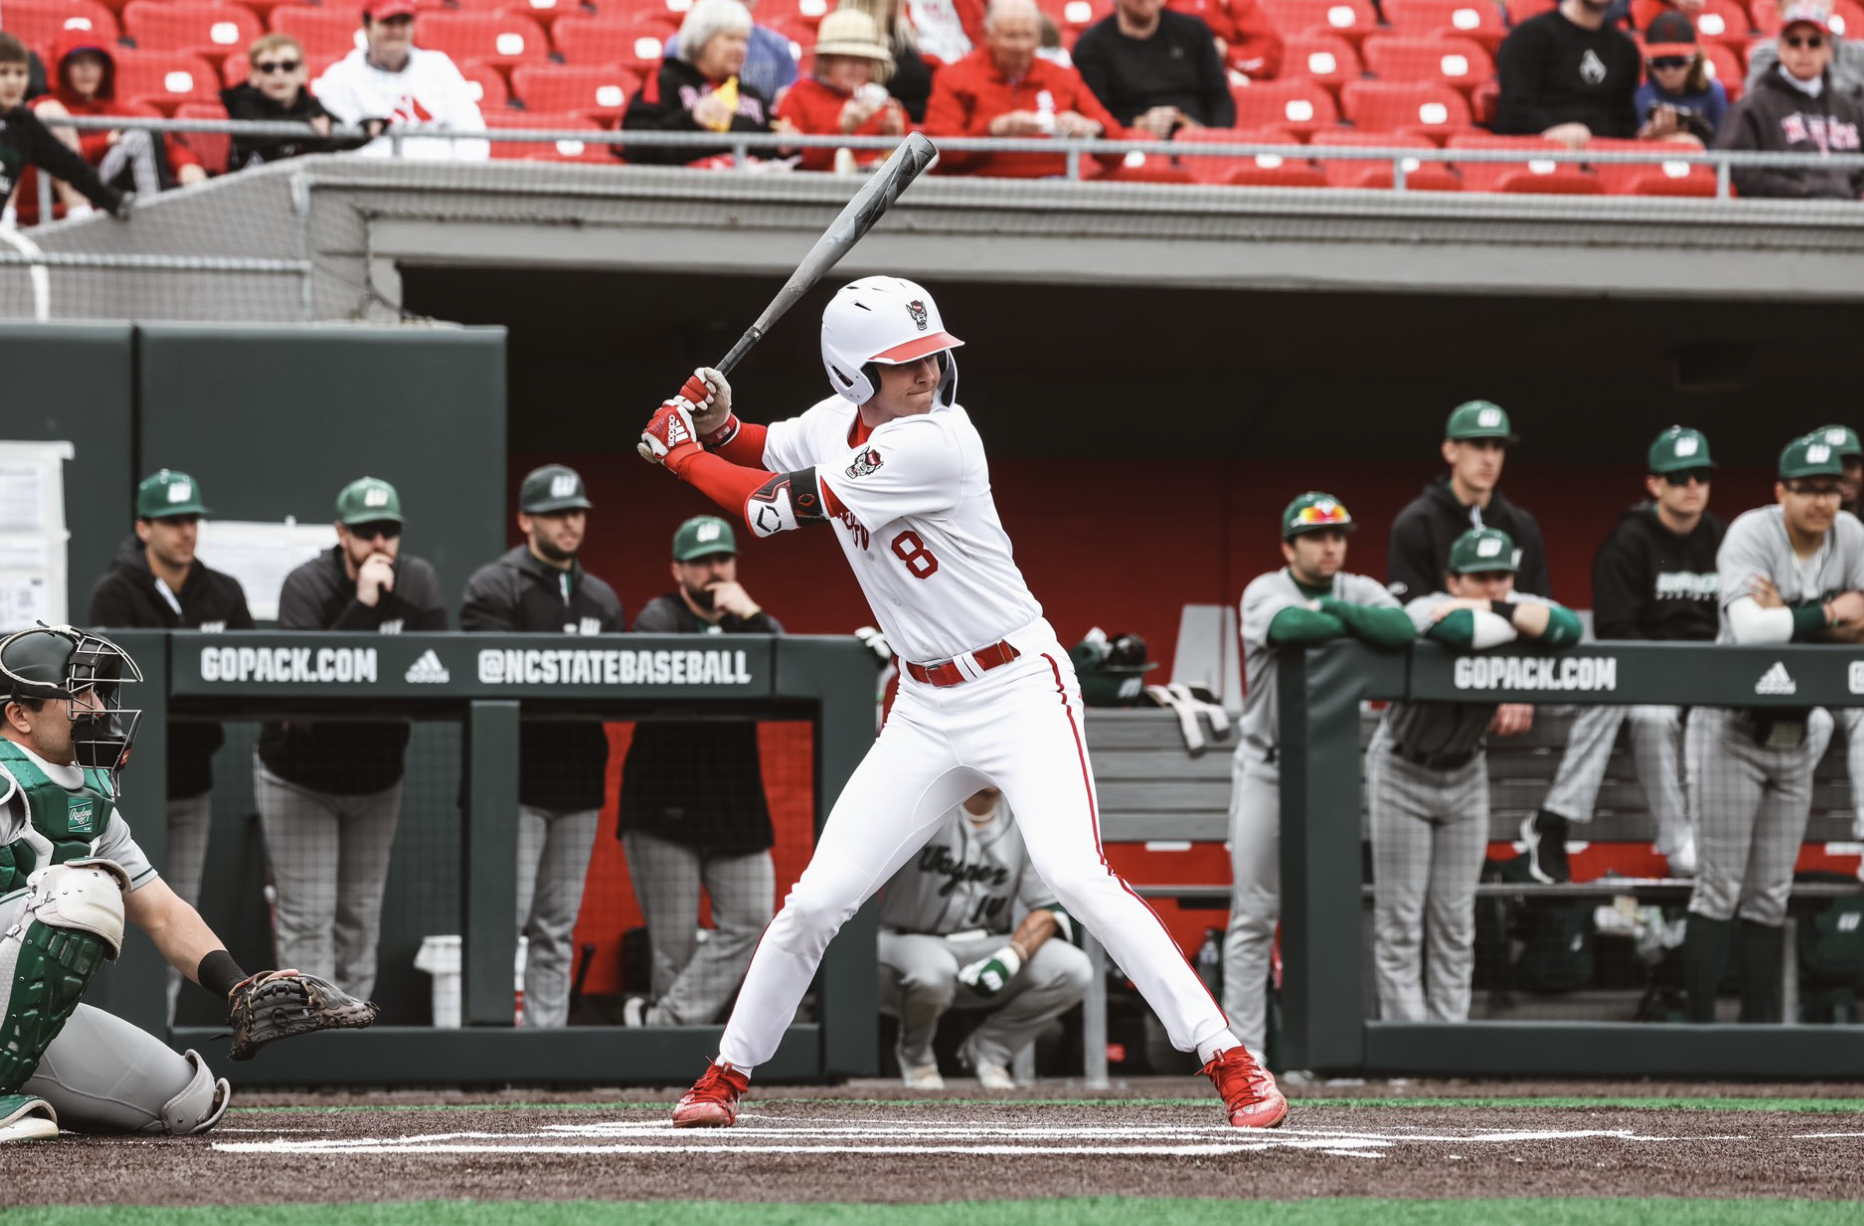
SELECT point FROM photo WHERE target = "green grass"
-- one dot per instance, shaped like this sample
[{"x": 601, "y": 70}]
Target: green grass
[{"x": 1104, "y": 1211}]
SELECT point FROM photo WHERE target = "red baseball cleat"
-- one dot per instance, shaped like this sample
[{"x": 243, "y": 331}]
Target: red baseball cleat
[
  {"x": 1249, "y": 1091},
  {"x": 713, "y": 1100}
]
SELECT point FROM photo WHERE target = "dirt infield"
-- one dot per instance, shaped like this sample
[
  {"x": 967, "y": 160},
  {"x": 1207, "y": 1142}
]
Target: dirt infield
[{"x": 867, "y": 1143}]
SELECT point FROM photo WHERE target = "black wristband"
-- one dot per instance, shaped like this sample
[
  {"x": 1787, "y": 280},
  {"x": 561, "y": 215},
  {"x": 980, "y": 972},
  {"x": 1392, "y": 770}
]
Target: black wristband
[
  {"x": 1503, "y": 609},
  {"x": 218, "y": 973}
]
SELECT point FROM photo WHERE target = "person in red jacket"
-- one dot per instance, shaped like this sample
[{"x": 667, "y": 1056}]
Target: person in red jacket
[
  {"x": 844, "y": 94},
  {"x": 1246, "y": 38},
  {"x": 1003, "y": 89},
  {"x": 86, "y": 85}
]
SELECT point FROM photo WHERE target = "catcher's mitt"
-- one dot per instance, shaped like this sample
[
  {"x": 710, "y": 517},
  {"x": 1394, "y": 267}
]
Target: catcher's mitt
[{"x": 278, "y": 1004}]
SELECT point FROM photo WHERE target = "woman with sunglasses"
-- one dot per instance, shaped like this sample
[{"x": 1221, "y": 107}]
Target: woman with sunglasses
[
  {"x": 274, "y": 92},
  {"x": 1799, "y": 109},
  {"x": 1678, "y": 98}
]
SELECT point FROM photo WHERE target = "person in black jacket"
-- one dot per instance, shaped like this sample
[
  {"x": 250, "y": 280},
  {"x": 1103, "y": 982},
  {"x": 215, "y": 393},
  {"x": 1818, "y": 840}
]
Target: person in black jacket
[
  {"x": 1155, "y": 70},
  {"x": 539, "y": 587},
  {"x": 699, "y": 90},
  {"x": 329, "y": 794},
  {"x": 1653, "y": 580},
  {"x": 157, "y": 582},
  {"x": 274, "y": 91},
  {"x": 693, "y": 808},
  {"x": 26, "y": 141},
  {"x": 1568, "y": 75},
  {"x": 1798, "y": 108}
]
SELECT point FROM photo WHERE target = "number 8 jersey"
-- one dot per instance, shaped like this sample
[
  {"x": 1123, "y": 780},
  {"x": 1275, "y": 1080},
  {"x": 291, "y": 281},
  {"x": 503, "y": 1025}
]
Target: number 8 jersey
[{"x": 917, "y": 521}]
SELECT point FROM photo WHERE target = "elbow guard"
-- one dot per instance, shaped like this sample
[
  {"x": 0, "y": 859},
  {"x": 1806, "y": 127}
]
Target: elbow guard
[{"x": 787, "y": 500}]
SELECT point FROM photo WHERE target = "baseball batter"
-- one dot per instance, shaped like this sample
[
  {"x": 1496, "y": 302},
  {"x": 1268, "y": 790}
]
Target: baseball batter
[
  {"x": 1427, "y": 780},
  {"x": 989, "y": 698},
  {"x": 1310, "y": 600},
  {"x": 70, "y": 875},
  {"x": 1793, "y": 571}
]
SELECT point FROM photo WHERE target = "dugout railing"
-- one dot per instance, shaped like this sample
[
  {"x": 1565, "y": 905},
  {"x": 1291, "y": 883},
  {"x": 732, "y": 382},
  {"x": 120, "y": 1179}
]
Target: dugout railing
[
  {"x": 1327, "y": 1013},
  {"x": 481, "y": 684}
]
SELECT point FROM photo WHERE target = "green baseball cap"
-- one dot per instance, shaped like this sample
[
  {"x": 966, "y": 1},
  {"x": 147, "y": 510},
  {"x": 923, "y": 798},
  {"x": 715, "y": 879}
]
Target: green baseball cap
[
  {"x": 1810, "y": 456},
  {"x": 368, "y": 500},
  {"x": 1844, "y": 438},
  {"x": 1479, "y": 419},
  {"x": 554, "y": 487},
  {"x": 701, "y": 536},
  {"x": 1679, "y": 448},
  {"x": 168, "y": 493},
  {"x": 1482, "y": 549},
  {"x": 1313, "y": 512}
]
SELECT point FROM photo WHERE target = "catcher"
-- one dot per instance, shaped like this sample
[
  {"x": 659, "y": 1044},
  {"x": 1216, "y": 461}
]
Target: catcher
[{"x": 70, "y": 874}]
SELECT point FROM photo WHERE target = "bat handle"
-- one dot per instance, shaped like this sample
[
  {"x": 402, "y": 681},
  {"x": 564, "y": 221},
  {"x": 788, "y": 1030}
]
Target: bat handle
[{"x": 751, "y": 336}]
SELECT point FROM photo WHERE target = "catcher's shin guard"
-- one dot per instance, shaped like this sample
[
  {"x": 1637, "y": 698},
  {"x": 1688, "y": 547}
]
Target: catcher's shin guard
[
  {"x": 72, "y": 921},
  {"x": 201, "y": 1102}
]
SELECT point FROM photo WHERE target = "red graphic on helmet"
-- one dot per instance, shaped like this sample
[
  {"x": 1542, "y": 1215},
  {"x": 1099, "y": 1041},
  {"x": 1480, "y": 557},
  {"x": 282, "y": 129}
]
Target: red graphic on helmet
[{"x": 917, "y": 310}]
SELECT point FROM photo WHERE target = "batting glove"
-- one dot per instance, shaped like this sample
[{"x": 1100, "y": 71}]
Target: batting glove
[
  {"x": 989, "y": 976},
  {"x": 669, "y": 437},
  {"x": 876, "y": 642},
  {"x": 710, "y": 395}
]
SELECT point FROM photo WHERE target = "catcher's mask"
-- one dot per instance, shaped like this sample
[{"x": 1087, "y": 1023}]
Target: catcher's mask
[{"x": 87, "y": 673}]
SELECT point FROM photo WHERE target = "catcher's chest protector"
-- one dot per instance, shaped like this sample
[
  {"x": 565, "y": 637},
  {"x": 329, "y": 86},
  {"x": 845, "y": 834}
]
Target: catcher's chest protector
[{"x": 70, "y": 821}]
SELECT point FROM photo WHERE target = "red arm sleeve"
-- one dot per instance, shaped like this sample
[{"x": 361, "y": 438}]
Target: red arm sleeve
[
  {"x": 729, "y": 485},
  {"x": 746, "y": 448}
]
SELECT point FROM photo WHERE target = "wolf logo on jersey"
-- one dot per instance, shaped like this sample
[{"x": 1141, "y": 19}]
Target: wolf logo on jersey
[{"x": 864, "y": 463}]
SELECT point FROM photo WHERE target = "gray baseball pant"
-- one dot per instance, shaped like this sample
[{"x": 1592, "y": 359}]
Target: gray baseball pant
[
  {"x": 1255, "y": 898},
  {"x": 102, "y": 1074},
  {"x": 693, "y": 979},
  {"x": 189, "y": 820},
  {"x": 1854, "y": 762},
  {"x": 919, "y": 984},
  {"x": 553, "y": 861},
  {"x": 1751, "y": 804},
  {"x": 329, "y": 858},
  {"x": 1430, "y": 829},
  {"x": 1657, "y": 749}
]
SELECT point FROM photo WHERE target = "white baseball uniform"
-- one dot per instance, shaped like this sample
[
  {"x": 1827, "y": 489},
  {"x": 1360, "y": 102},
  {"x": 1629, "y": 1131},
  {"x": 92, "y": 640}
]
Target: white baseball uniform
[{"x": 920, "y": 528}]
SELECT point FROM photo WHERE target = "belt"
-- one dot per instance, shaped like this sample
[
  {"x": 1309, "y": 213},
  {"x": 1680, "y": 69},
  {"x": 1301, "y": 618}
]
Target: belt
[
  {"x": 1435, "y": 762},
  {"x": 947, "y": 673}
]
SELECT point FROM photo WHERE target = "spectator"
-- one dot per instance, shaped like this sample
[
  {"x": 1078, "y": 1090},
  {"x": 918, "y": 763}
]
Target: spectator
[
  {"x": 329, "y": 794},
  {"x": 26, "y": 142},
  {"x": 392, "y": 84},
  {"x": 1003, "y": 89},
  {"x": 911, "y": 81},
  {"x": 946, "y": 942},
  {"x": 1427, "y": 788},
  {"x": 1653, "y": 579},
  {"x": 1679, "y": 97},
  {"x": 540, "y": 588},
  {"x": 1155, "y": 70},
  {"x": 700, "y": 90},
  {"x": 843, "y": 95},
  {"x": 769, "y": 61},
  {"x": 1847, "y": 68},
  {"x": 156, "y": 582},
  {"x": 1246, "y": 39},
  {"x": 948, "y": 30},
  {"x": 1798, "y": 109},
  {"x": 1789, "y": 572},
  {"x": 1569, "y": 76},
  {"x": 274, "y": 92},
  {"x": 1310, "y": 600},
  {"x": 1851, "y": 455},
  {"x": 1850, "y": 451},
  {"x": 136, "y": 159},
  {"x": 693, "y": 810}
]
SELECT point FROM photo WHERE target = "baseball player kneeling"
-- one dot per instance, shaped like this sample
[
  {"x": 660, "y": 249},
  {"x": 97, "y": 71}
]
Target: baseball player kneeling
[
  {"x": 945, "y": 943},
  {"x": 1427, "y": 780}
]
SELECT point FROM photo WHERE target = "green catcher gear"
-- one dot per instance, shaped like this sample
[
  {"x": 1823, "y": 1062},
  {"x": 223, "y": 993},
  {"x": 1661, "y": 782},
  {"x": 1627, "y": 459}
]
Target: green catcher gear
[
  {"x": 64, "y": 824},
  {"x": 25, "y": 1118},
  {"x": 70, "y": 921},
  {"x": 86, "y": 671}
]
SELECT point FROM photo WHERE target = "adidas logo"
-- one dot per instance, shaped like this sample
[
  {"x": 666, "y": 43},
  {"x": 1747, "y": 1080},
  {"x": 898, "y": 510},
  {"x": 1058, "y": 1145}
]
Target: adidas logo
[
  {"x": 1776, "y": 680},
  {"x": 429, "y": 670}
]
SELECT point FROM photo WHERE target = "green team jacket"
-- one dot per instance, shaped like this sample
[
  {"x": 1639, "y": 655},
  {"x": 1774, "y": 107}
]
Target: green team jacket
[{"x": 70, "y": 821}]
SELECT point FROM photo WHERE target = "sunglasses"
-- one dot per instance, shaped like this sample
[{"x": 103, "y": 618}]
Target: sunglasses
[
  {"x": 1699, "y": 475},
  {"x": 1667, "y": 62},
  {"x": 1810, "y": 42},
  {"x": 268, "y": 67},
  {"x": 1323, "y": 513},
  {"x": 1815, "y": 491},
  {"x": 387, "y": 529}
]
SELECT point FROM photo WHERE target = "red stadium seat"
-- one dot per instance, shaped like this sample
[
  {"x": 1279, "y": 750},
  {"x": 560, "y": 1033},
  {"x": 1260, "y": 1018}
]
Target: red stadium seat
[
  {"x": 1072, "y": 16},
  {"x": 38, "y": 23},
  {"x": 210, "y": 30},
  {"x": 541, "y": 11},
  {"x": 1270, "y": 169},
  {"x": 1319, "y": 56},
  {"x": 165, "y": 79},
  {"x": 1727, "y": 65},
  {"x": 1723, "y": 21},
  {"x": 1530, "y": 175},
  {"x": 1461, "y": 62},
  {"x": 1847, "y": 18},
  {"x": 597, "y": 90},
  {"x": 1646, "y": 179},
  {"x": 1522, "y": 10},
  {"x": 211, "y": 147},
  {"x": 1351, "y": 19},
  {"x": 558, "y": 151},
  {"x": 1218, "y": 169},
  {"x": 1146, "y": 170},
  {"x": 1425, "y": 107},
  {"x": 320, "y": 30},
  {"x": 485, "y": 77},
  {"x": 1477, "y": 19},
  {"x": 807, "y": 12},
  {"x": 1418, "y": 176},
  {"x": 1291, "y": 104},
  {"x": 602, "y": 40},
  {"x": 505, "y": 39}
]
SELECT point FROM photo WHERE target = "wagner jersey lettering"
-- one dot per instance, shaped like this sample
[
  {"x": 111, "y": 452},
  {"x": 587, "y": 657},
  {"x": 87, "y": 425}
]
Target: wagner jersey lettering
[
  {"x": 1266, "y": 596},
  {"x": 918, "y": 524},
  {"x": 966, "y": 877},
  {"x": 1757, "y": 545}
]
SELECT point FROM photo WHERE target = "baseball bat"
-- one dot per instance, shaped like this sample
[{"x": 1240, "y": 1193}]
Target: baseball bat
[{"x": 895, "y": 175}]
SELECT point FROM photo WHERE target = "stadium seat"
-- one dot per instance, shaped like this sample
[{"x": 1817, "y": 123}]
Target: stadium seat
[
  {"x": 320, "y": 30},
  {"x": 1647, "y": 179},
  {"x": 1323, "y": 57},
  {"x": 1292, "y": 105},
  {"x": 1418, "y": 176},
  {"x": 1461, "y": 62},
  {"x": 541, "y": 11},
  {"x": 1351, "y": 19},
  {"x": 1074, "y": 16},
  {"x": 1270, "y": 169},
  {"x": 1723, "y": 21},
  {"x": 807, "y": 12},
  {"x": 485, "y": 77},
  {"x": 1217, "y": 169},
  {"x": 600, "y": 91},
  {"x": 505, "y": 39},
  {"x": 211, "y": 147},
  {"x": 1727, "y": 65},
  {"x": 621, "y": 10},
  {"x": 210, "y": 30},
  {"x": 1477, "y": 19},
  {"x": 1519, "y": 11},
  {"x": 1530, "y": 174},
  {"x": 1425, "y": 107},
  {"x": 38, "y": 23},
  {"x": 559, "y": 151},
  {"x": 603, "y": 40},
  {"x": 1142, "y": 168},
  {"x": 165, "y": 79},
  {"x": 1847, "y": 17}
]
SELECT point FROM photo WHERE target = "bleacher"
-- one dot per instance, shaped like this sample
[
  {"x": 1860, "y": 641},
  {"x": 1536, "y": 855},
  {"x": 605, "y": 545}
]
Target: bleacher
[{"x": 1416, "y": 73}]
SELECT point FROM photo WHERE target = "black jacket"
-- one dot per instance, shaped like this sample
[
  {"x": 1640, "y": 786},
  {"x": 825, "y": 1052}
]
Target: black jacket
[
  {"x": 911, "y": 82},
  {"x": 1776, "y": 116},
  {"x": 348, "y": 759},
  {"x": 560, "y": 765},
  {"x": 246, "y": 102},
  {"x": 1178, "y": 66},
  {"x": 126, "y": 596},
  {"x": 705, "y": 794},
  {"x": 665, "y": 104},
  {"x": 1650, "y": 583},
  {"x": 25, "y": 141},
  {"x": 1421, "y": 536},
  {"x": 1554, "y": 72}
]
